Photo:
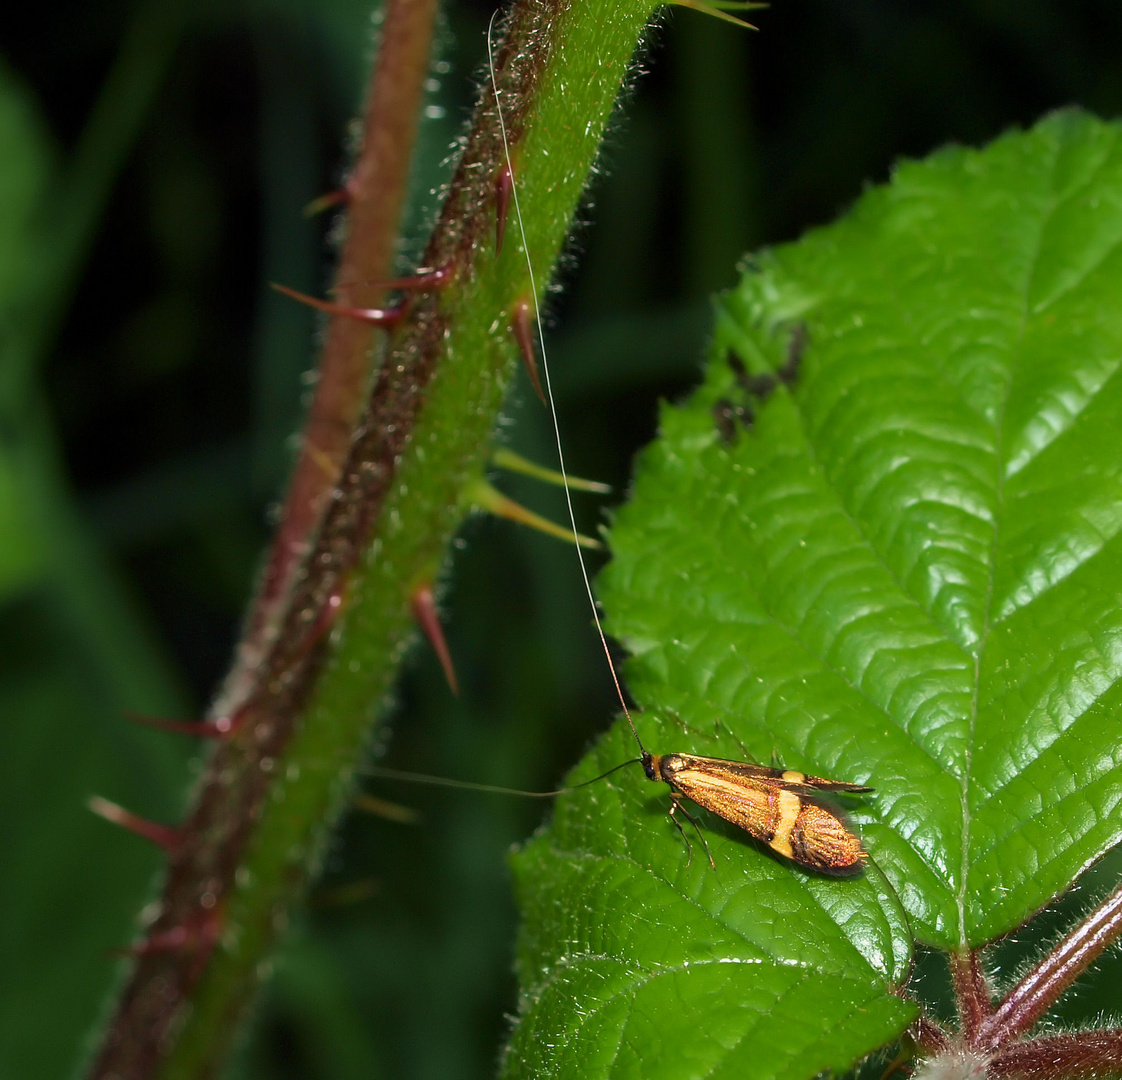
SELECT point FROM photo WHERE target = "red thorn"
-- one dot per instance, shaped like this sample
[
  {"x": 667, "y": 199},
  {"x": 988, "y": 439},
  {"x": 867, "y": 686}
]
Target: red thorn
[
  {"x": 375, "y": 316},
  {"x": 199, "y": 935},
  {"x": 504, "y": 189},
  {"x": 522, "y": 326},
  {"x": 220, "y": 727},
  {"x": 342, "y": 196},
  {"x": 424, "y": 279},
  {"x": 424, "y": 611},
  {"x": 161, "y": 835},
  {"x": 338, "y": 197}
]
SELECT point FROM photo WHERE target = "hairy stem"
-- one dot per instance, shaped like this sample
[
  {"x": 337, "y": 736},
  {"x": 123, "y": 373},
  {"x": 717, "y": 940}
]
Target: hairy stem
[
  {"x": 972, "y": 993},
  {"x": 1043, "y": 986},
  {"x": 929, "y": 1037},
  {"x": 273, "y": 789},
  {"x": 375, "y": 193},
  {"x": 1077, "y": 1056}
]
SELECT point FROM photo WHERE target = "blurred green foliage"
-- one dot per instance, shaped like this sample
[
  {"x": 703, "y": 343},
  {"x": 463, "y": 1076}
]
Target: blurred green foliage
[{"x": 149, "y": 383}]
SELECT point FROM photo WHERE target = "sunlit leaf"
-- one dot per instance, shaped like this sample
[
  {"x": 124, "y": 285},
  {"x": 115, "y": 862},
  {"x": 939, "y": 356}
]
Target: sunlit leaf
[{"x": 901, "y": 567}]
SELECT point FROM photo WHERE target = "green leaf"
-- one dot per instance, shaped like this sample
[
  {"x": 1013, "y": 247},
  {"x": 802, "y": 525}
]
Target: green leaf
[
  {"x": 906, "y": 572},
  {"x": 638, "y": 960}
]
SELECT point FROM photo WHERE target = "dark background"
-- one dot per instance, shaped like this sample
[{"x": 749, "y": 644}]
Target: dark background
[{"x": 167, "y": 385}]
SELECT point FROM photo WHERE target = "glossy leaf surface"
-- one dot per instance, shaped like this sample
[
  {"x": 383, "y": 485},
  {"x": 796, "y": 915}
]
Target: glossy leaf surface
[{"x": 905, "y": 571}]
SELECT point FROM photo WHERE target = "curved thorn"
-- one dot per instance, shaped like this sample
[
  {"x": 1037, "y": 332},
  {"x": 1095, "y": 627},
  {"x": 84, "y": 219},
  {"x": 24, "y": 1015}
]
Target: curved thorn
[
  {"x": 482, "y": 495},
  {"x": 716, "y": 12},
  {"x": 354, "y": 892},
  {"x": 383, "y": 808},
  {"x": 504, "y": 458},
  {"x": 384, "y": 317},
  {"x": 338, "y": 197},
  {"x": 424, "y": 611},
  {"x": 423, "y": 279},
  {"x": 163, "y": 836},
  {"x": 522, "y": 325},
  {"x": 220, "y": 727}
]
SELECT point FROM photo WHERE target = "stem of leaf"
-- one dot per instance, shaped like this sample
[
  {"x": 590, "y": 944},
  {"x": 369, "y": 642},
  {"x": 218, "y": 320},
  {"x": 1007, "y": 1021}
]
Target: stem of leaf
[
  {"x": 972, "y": 993},
  {"x": 929, "y": 1036},
  {"x": 376, "y": 191},
  {"x": 270, "y": 793},
  {"x": 1043, "y": 986},
  {"x": 1076, "y": 1056}
]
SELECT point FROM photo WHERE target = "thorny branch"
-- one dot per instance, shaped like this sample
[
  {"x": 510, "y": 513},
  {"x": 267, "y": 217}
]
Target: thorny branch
[
  {"x": 234, "y": 790},
  {"x": 374, "y": 196}
]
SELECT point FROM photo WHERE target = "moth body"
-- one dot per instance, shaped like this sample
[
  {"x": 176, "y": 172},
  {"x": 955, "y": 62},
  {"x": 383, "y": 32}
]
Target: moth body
[{"x": 775, "y": 806}]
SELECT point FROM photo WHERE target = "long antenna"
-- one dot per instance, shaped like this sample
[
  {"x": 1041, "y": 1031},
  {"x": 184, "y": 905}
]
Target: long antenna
[
  {"x": 549, "y": 388},
  {"x": 491, "y": 789}
]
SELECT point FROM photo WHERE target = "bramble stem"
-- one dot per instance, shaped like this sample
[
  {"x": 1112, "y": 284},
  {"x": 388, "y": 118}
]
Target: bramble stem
[
  {"x": 273, "y": 789},
  {"x": 1078, "y": 1056},
  {"x": 929, "y": 1036},
  {"x": 972, "y": 993},
  {"x": 1043, "y": 986},
  {"x": 376, "y": 190}
]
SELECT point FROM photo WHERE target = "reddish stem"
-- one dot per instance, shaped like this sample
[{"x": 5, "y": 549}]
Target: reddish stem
[
  {"x": 1083, "y": 1054},
  {"x": 376, "y": 192},
  {"x": 929, "y": 1036},
  {"x": 163, "y": 836},
  {"x": 276, "y": 673},
  {"x": 972, "y": 993},
  {"x": 1043, "y": 986}
]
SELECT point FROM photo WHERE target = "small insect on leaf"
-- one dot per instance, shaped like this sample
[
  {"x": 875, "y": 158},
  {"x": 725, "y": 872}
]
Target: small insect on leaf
[{"x": 775, "y": 806}]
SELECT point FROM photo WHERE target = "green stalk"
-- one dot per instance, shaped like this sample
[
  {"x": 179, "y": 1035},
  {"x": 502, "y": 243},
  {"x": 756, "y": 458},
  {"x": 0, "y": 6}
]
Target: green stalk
[{"x": 273, "y": 791}]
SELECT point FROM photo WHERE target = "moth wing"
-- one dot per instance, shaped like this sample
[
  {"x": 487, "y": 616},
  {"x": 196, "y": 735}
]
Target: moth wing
[
  {"x": 784, "y": 779},
  {"x": 818, "y": 784}
]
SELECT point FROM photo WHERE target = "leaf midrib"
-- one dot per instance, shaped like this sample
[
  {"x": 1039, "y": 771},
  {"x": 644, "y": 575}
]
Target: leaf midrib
[{"x": 964, "y": 887}]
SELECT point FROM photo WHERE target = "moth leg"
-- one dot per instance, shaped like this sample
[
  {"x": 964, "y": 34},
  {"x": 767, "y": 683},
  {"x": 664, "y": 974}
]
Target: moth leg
[{"x": 676, "y": 805}]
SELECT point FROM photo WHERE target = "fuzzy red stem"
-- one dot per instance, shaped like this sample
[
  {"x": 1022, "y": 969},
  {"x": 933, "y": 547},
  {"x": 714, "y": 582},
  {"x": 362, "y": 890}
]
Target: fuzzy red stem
[
  {"x": 376, "y": 192},
  {"x": 929, "y": 1036},
  {"x": 972, "y": 993},
  {"x": 1078, "y": 1056},
  {"x": 1042, "y": 987}
]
